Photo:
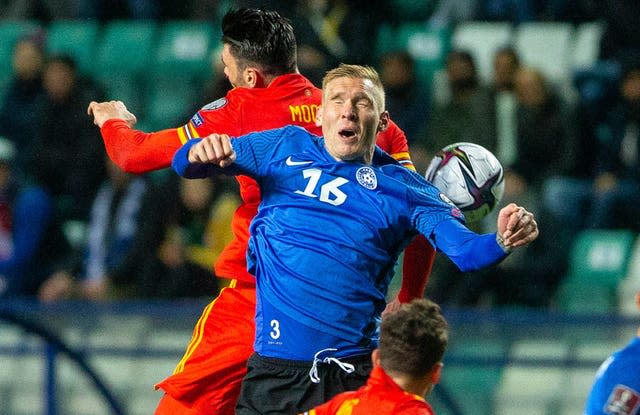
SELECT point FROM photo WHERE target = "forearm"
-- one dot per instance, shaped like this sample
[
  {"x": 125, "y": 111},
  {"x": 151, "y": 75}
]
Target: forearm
[
  {"x": 185, "y": 168},
  {"x": 468, "y": 250},
  {"x": 416, "y": 268},
  {"x": 136, "y": 151}
]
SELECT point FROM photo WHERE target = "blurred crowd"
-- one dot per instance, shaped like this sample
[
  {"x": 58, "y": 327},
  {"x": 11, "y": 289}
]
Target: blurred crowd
[{"x": 73, "y": 226}]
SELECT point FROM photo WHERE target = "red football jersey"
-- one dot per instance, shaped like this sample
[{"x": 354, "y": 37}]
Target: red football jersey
[
  {"x": 380, "y": 396},
  {"x": 289, "y": 99}
]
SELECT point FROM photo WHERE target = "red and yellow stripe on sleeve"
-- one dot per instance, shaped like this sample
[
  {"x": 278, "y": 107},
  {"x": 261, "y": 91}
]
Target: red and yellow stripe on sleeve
[{"x": 405, "y": 159}]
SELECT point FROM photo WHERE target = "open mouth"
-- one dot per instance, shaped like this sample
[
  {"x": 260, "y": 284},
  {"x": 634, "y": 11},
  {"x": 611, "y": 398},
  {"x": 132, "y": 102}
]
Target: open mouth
[{"x": 346, "y": 133}]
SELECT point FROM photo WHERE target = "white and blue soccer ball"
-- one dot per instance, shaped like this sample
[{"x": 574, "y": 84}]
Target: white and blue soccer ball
[{"x": 470, "y": 176}]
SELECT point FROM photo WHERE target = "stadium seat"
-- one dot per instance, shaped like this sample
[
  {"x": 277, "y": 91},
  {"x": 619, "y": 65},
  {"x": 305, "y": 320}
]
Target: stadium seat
[
  {"x": 598, "y": 262},
  {"x": 547, "y": 46},
  {"x": 10, "y": 32},
  {"x": 586, "y": 45},
  {"x": 428, "y": 46},
  {"x": 482, "y": 40},
  {"x": 168, "y": 102},
  {"x": 473, "y": 386},
  {"x": 184, "y": 47},
  {"x": 630, "y": 285},
  {"x": 76, "y": 38},
  {"x": 123, "y": 60}
]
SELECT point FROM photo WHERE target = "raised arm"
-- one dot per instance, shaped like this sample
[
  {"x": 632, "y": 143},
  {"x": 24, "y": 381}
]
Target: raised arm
[
  {"x": 204, "y": 157},
  {"x": 132, "y": 150},
  {"x": 470, "y": 251}
]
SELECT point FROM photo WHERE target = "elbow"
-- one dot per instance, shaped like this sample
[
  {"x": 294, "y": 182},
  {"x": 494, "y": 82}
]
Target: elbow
[{"x": 129, "y": 164}]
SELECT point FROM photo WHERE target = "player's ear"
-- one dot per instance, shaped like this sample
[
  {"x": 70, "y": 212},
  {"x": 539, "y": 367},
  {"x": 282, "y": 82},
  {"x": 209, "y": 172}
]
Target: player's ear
[
  {"x": 253, "y": 78},
  {"x": 319, "y": 116},
  {"x": 384, "y": 121},
  {"x": 436, "y": 372},
  {"x": 375, "y": 357}
]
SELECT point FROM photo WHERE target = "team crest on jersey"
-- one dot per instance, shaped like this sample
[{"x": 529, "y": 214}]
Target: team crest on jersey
[
  {"x": 218, "y": 103},
  {"x": 623, "y": 401},
  {"x": 455, "y": 211},
  {"x": 367, "y": 177}
]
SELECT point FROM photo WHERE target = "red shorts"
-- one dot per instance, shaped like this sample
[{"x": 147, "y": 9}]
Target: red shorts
[{"x": 207, "y": 380}]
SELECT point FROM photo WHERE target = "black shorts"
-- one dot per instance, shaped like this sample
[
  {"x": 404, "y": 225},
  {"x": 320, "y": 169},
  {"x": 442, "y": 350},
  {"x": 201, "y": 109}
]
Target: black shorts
[{"x": 277, "y": 386}]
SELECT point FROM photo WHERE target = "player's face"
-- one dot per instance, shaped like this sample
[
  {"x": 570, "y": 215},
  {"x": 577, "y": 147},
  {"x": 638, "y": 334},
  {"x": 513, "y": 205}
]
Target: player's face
[
  {"x": 231, "y": 67},
  {"x": 350, "y": 119}
]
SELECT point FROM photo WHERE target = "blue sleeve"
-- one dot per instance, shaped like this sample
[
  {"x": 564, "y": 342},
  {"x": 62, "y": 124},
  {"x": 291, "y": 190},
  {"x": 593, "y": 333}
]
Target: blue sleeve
[
  {"x": 32, "y": 213},
  {"x": 468, "y": 250},
  {"x": 251, "y": 150}
]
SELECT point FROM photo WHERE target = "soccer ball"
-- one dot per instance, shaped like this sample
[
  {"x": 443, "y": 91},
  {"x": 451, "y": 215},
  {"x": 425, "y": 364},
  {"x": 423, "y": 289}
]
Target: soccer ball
[{"x": 470, "y": 175}]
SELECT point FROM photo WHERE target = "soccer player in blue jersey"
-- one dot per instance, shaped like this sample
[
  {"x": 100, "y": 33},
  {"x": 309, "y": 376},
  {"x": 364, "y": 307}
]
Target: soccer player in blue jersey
[
  {"x": 336, "y": 212},
  {"x": 616, "y": 389}
]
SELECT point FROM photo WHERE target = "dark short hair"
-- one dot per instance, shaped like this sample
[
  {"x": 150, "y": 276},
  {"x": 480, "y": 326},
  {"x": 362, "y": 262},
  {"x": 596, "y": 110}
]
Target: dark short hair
[
  {"x": 509, "y": 51},
  {"x": 462, "y": 55},
  {"x": 261, "y": 37},
  {"x": 413, "y": 339},
  {"x": 63, "y": 59}
]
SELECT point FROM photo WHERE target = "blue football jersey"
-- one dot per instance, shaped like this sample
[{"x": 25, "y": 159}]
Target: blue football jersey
[
  {"x": 616, "y": 389},
  {"x": 327, "y": 236}
]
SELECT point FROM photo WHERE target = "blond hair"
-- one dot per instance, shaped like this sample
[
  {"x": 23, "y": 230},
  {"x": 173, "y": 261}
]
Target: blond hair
[{"x": 358, "y": 72}]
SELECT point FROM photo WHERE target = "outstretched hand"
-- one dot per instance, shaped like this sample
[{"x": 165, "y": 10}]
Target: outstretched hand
[
  {"x": 214, "y": 149},
  {"x": 103, "y": 111},
  {"x": 516, "y": 226}
]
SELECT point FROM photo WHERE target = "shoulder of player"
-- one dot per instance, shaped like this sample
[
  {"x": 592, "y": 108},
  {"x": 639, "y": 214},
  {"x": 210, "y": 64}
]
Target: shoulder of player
[{"x": 287, "y": 132}]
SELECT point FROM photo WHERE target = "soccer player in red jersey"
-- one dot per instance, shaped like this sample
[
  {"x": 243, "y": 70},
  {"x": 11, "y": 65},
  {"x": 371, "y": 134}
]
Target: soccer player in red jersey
[
  {"x": 406, "y": 365},
  {"x": 259, "y": 55}
]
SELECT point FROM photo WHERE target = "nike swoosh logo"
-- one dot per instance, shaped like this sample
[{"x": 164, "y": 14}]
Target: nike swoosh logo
[{"x": 296, "y": 163}]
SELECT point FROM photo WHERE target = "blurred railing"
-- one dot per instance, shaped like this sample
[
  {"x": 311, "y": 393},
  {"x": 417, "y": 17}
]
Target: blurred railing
[{"x": 87, "y": 358}]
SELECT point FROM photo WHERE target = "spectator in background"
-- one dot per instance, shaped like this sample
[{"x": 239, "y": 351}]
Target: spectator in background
[
  {"x": 406, "y": 102},
  {"x": 66, "y": 154},
  {"x": 113, "y": 225},
  {"x": 506, "y": 63},
  {"x": 620, "y": 38},
  {"x": 543, "y": 147},
  {"x": 466, "y": 115},
  {"x": 333, "y": 31},
  {"x": 617, "y": 184},
  {"x": 616, "y": 389},
  {"x": 30, "y": 241},
  {"x": 406, "y": 365},
  {"x": 610, "y": 197},
  {"x": 544, "y": 137},
  {"x": 18, "y": 112},
  {"x": 180, "y": 239}
]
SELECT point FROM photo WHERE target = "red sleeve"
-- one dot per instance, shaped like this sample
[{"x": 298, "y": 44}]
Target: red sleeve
[
  {"x": 136, "y": 151},
  {"x": 419, "y": 254},
  {"x": 414, "y": 408},
  {"x": 416, "y": 268},
  {"x": 394, "y": 141}
]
